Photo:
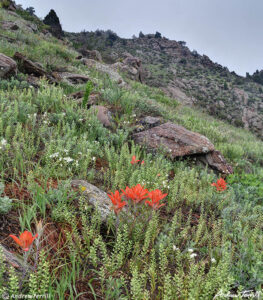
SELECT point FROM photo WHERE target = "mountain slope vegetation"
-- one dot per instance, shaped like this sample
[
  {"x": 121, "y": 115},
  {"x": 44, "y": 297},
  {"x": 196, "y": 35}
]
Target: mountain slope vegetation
[{"x": 202, "y": 242}]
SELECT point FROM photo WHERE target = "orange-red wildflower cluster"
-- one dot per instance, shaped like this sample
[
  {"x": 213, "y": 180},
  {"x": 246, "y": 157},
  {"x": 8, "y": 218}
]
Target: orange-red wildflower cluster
[
  {"x": 25, "y": 240},
  {"x": 134, "y": 161},
  {"x": 137, "y": 194},
  {"x": 220, "y": 185},
  {"x": 117, "y": 202}
]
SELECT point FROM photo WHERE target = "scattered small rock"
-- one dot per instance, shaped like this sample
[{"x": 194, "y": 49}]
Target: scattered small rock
[
  {"x": 103, "y": 114},
  {"x": 70, "y": 77},
  {"x": 151, "y": 121}
]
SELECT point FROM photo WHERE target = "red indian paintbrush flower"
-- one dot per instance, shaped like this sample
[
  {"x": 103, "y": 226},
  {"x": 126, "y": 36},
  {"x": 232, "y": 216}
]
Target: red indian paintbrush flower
[
  {"x": 134, "y": 160},
  {"x": 25, "y": 240},
  {"x": 117, "y": 202},
  {"x": 220, "y": 184},
  {"x": 136, "y": 193},
  {"x": 155, "y": 197}
]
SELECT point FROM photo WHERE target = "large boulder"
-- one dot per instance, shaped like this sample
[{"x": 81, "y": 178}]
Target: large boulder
[
  {"x": 8, "y": 66},
  {"x": 95, "y": 197},
  {"x": 29, "y": 67},
  {"x": 176, "y": 141}
]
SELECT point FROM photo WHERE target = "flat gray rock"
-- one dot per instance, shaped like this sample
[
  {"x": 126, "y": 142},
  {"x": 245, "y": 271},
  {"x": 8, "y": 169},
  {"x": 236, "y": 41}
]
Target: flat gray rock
[
  {"x": 15, "y": 261},
  {"x": 95, "y": 197}
]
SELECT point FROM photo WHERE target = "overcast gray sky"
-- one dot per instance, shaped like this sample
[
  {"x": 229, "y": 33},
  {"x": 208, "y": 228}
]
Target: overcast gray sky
[{"x": 230, "y": 32}]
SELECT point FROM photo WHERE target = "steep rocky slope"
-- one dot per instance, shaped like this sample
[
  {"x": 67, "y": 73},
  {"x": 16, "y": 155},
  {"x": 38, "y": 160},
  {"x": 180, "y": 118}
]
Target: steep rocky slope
[{"x": 187, "y": 76}]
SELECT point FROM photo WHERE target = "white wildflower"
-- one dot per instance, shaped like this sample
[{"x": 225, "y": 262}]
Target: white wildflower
[
  {"x": 54, "y": 155},
  {"x": 190, "y": 250},
  {"x": 193, "y": 255},
  {"x": 93, "y": 158},
  {"x": 68, "y": 159},
  {"x": 3, "y": 142},
  {"x": 213, "y": 260},
  {"x": 175, "y": 248}
]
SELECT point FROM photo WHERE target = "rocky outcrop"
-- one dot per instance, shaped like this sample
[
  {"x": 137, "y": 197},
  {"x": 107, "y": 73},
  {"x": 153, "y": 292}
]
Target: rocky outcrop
[
  {"x": 10, "y": 5},
  {"x": 176, "y": 141},
  {"x": 96, "y": 197},
  {"x": 8, "y": 66},
  {"x": 53, "y": 21},
  {"x": 189, "y": 77},
  {"x": 91, "y": 54},
  {"x": 132, "y": 66},
  {"x": 8, "y": 25}
]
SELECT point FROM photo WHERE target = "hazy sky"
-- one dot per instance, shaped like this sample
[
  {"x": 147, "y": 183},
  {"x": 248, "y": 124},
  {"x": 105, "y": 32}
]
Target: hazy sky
[{"x": 230, "y": 32}]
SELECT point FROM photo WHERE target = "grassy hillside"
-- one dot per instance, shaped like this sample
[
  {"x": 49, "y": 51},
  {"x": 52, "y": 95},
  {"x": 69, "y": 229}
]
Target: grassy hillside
[{"x": 200, "y": 243}]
